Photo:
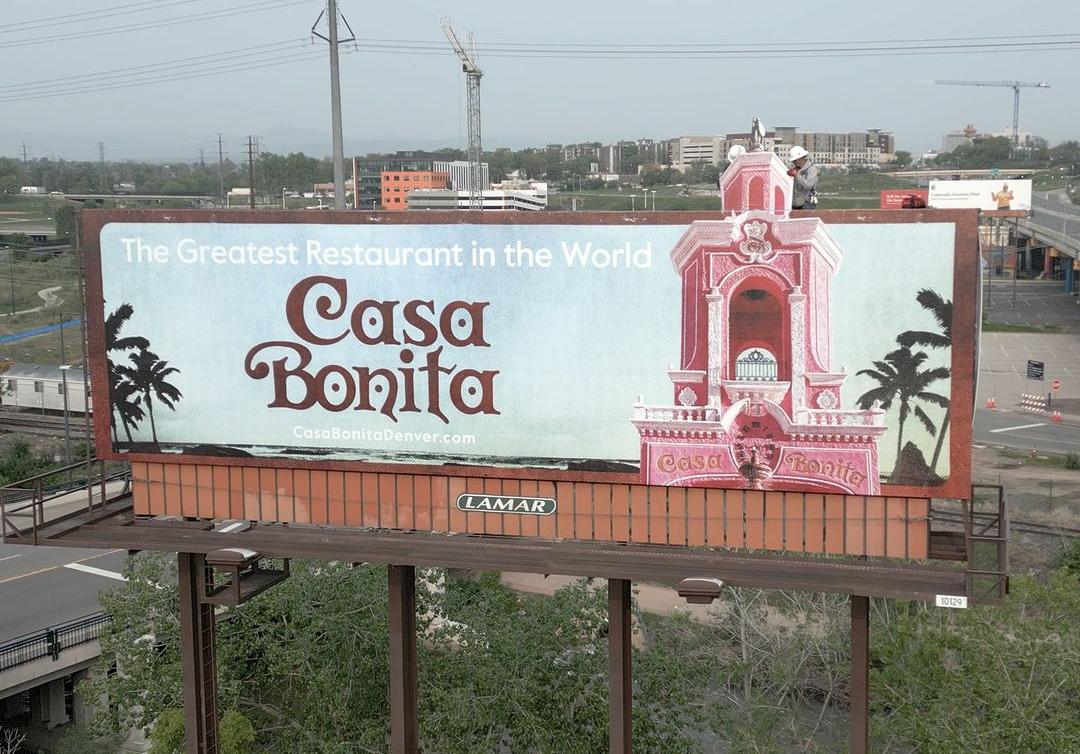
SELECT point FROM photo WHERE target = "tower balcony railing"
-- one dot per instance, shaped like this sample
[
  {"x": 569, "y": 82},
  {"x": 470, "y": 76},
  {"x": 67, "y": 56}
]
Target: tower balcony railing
[{"x": 675, "y": 413}]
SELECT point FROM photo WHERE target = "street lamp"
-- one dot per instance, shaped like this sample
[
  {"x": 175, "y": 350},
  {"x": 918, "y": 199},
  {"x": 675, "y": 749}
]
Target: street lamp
[
  {"x": 283, "y": 196},
  {"x": 633, "y": 202}
]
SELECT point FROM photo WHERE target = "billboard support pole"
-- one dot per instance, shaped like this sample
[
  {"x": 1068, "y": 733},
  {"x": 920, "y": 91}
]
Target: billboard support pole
[
  {"x": 620, "y": 695},
  {"x": 198, "y": 658},
  {"x": 404, "y": 732},
  {"x": 860, "y": 675}
]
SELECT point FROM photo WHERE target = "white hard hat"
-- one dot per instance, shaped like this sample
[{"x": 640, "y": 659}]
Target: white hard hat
[{"x": 798, "y": 153}]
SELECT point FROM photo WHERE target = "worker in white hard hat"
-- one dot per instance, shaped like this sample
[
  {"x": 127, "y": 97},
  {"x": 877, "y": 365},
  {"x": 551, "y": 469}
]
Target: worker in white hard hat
[{"x": 805, "y": 173}]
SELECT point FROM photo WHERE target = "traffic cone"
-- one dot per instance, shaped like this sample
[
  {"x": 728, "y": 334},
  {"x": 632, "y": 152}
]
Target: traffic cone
[
  {"x": 1056, "y": 416},
  {"x": 990, "y": 402}
]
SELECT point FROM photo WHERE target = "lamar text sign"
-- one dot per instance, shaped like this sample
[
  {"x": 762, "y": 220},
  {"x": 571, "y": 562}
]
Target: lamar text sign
[{"x": 753, "y": 352}]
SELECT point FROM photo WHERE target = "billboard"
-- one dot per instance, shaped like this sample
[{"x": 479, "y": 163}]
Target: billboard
[
  {"x": 994, "y": 194},
  {"x": 755, "y": 352},
  {"x": 913, "y": 198}
]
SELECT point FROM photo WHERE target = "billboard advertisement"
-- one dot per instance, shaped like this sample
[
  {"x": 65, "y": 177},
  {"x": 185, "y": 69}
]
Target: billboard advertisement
[
  {"x": 994, "y": 194},
  {"x": 753, "y": 352},
  {"x": 913, "y": 198}
]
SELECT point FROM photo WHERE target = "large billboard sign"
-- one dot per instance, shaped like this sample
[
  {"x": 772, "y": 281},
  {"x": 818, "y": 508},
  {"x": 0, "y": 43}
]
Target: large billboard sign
[
  {"x": 989, "y": 195},
  {"x": 758, "y": 351}
]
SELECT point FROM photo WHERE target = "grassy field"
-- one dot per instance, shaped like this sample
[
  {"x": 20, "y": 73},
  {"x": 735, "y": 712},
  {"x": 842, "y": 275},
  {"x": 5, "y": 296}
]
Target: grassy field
[{"x": 835, "y": 191}]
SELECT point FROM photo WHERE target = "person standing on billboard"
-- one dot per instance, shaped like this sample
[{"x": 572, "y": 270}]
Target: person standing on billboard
[
  {"x": 805, "y": 173},
  {"x": 1004, "y": 197}
]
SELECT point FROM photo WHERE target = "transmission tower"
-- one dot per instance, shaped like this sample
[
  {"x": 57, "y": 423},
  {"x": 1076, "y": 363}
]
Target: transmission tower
[{"x": 472, "y": 80}]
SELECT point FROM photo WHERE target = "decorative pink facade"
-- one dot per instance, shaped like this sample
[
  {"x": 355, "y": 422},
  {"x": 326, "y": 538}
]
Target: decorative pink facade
[{"x": 756, "y": 401}]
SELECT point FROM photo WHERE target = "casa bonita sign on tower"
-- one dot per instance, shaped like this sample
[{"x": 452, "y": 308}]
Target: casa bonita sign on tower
[{"x": 756, "y": 402}]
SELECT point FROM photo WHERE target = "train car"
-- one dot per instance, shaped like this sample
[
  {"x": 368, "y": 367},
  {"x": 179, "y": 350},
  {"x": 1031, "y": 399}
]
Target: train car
[{"x": 41, "y": 387}]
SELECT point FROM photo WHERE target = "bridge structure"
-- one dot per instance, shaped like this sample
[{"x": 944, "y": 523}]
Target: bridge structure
[
  {"x": 1051, "y": 230},
  {"x": 49, "y": 633}
]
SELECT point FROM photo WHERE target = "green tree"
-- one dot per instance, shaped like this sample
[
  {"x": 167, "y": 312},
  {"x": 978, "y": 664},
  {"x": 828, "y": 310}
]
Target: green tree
[
  {"x": 900, "y": 378},
  {"x": 942, "y": 309},
  {"x": 903, "y": 158}
]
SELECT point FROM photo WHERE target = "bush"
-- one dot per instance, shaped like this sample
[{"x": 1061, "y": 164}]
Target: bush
[
  {"x": 1072, "y": 461},
  {"x": 1069, "y": 557}
]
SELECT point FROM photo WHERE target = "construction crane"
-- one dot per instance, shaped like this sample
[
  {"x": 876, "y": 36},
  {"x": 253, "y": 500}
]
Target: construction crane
[
  {"x": 1016, "y": 86},
  {"x": 472, "y": 79}
]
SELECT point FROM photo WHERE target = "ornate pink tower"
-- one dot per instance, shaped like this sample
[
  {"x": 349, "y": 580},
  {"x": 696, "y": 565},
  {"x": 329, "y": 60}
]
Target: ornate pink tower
[{"x": 756, "y": 401}]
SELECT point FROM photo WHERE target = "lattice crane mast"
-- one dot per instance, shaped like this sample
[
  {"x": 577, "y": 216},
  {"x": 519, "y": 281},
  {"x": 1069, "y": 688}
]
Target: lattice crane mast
[
  {"x": 1016, "y": 86},
  {"x": 472, "y": 79}
]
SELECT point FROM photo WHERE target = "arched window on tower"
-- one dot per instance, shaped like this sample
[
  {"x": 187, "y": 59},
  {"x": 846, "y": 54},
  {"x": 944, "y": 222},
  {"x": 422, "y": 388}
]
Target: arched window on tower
[{"x": 756, "y": 365}]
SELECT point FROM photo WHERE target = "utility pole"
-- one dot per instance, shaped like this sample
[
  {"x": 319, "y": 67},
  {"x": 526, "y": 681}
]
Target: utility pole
[
  {"x": 251, "y": 171},
  {"x": 25, "y": 161},
  {"x": 334, "y": 41},
  {"x": 221, "y": 167},
  {"x": 202, "y": 158},
  {"x": 101, "y": 164}
]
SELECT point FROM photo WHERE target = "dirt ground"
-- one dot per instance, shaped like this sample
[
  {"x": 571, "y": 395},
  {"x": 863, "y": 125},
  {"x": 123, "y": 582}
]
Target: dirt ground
[{"x": 1038, "y": 489}]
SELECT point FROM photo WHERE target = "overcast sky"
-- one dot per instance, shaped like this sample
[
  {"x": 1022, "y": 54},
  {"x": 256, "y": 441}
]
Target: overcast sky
[{"x": 401, "y": 100}]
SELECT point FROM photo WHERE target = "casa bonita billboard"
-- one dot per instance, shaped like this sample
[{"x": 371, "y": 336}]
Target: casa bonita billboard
[{"x": 750, "y": 349}]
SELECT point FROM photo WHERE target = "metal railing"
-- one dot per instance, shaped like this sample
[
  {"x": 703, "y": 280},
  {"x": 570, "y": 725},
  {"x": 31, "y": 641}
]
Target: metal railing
[
  {"x": 23, "y": 503},
  {"x": 756, "y": 366},
  {"x": 51, "y": 642}
]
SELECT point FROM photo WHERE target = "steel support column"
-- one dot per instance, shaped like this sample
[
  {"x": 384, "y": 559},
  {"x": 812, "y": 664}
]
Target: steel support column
[
  {"x": 860, "y": 675},
  {"x": 620, "y": 694},
  {"x": 198, "y": 658},
  {"x": 404, "y": 731}
]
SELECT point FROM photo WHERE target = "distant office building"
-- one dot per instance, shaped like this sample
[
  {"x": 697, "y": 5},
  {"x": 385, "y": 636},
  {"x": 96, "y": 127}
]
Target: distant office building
[
  {"x": 686, "y": 150},
  {"x": 367, "y": 175},
  {"x": 960, "y": 137},
  {"x": 458, "y": 170},
  {"x": 396, "y": 185},
  {"x": 826, "y": 148},
  {"x": 574, "y": 151},
  {"x": 493, "y": 199}
]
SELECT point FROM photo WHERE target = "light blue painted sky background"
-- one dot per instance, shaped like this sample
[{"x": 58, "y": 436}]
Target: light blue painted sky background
[{"x": 575, "y": 347}]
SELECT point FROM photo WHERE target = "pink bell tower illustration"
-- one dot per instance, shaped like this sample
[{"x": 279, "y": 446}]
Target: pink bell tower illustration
[{"x": 756, "y": 402}]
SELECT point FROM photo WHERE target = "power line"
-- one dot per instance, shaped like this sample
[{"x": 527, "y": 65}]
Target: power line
[
  {"x": 165, "y": 78},
  {"x": 261, "y": 5},
  {"x": 210, "y": 58},
  {"x": 116, "y": 10},
  {"x": 151, "y": 73}
]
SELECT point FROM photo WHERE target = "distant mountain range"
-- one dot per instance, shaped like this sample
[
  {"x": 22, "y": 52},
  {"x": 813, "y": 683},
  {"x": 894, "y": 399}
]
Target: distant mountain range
[{"x": 165, "y": 146}]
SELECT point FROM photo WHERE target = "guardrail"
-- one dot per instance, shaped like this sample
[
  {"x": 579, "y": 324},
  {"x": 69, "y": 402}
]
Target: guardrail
[
  {"x": 51, "y": 642},
  {"x": 22, "y": 504}
]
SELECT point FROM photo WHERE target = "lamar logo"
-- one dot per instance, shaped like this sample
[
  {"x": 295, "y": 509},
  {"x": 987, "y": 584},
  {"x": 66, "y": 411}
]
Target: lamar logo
[{"x": 533, "y": 506}]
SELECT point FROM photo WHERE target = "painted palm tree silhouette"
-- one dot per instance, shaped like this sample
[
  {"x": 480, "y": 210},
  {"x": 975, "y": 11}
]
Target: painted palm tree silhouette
[
  {"x": 125, "y": 401},
  {"x": 943, "y": 313},
  {"x": 899, "y": 378},
  {"x": 148, "y": 374}
]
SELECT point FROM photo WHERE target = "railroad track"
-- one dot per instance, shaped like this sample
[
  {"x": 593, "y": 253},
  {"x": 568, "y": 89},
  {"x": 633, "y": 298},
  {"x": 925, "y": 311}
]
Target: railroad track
[
  {"x": 1016, "y": 525},
  {"x": 42, "y": 424}
]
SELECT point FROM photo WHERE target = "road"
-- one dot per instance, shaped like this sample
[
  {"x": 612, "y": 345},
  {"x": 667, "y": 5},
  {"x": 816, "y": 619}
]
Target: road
[
  {"x": 1018, "y": 429},
  {"x": 43, "y": 586}
]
